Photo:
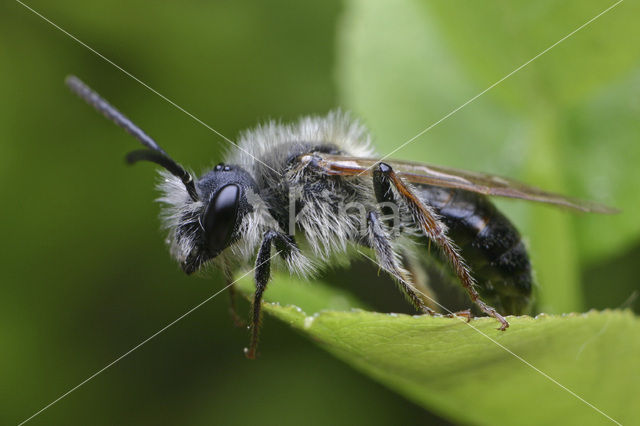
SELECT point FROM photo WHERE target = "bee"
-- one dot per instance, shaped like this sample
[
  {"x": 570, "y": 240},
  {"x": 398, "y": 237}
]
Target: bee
[{"x": 314, "y": 190}]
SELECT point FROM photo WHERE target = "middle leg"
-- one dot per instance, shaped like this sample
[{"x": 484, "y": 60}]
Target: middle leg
[{"x": 389, "y": 260}]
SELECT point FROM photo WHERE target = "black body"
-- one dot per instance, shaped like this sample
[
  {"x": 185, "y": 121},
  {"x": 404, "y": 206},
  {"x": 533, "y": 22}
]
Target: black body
[
  {"x": 481, "y": 246},
  {"x": 490, "y": 244}
]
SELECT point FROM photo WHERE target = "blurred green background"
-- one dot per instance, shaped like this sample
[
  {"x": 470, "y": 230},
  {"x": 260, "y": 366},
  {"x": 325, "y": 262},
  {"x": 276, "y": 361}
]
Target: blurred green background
[{"x": 85, "y": 275}]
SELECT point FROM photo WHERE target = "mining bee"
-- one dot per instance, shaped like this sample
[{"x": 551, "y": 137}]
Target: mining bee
[{"x": 314, "y": 190}]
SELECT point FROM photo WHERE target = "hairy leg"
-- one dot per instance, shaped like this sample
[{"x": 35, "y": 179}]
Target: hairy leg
[
  {"x": 435, "y": 230},
  {"x": 391, "y": 263},
  {"x": 285, "y": 245}
]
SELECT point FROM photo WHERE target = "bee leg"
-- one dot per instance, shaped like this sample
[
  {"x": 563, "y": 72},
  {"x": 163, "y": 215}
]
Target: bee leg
[
  {"x": 420, "y": 280},
  {"x": 390, "y": 261},
  {"x": 285, "y": 245},
  {"x": 435, "y": 230},
  {"x": 389, "y": 210},
  {"x": 466, "y": 314},
  {"x": 228, "y": 275},
  {"x": 385, "y": 198}
]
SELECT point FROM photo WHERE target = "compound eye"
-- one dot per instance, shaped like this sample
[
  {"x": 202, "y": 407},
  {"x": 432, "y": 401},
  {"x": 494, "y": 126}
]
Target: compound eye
[{"x": 220, "y": 218}]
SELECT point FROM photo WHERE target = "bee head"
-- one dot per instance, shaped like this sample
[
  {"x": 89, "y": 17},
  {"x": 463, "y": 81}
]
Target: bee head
[{"x": 215, "y": 225}]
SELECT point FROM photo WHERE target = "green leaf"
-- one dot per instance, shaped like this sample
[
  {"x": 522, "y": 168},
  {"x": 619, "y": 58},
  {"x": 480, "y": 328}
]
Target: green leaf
[
  {"x": 466, "y": 372},
  {"x": 566, "y": 122}
]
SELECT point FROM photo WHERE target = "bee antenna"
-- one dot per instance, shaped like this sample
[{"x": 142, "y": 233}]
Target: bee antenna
[
  {"x": 168, "y": 163},
  {"x": 92, "y": 98},
  {"x": 155, "y": 154}
]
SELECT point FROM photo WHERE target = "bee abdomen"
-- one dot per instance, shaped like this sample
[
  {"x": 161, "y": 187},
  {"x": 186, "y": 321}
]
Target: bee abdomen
[{"x": 490, "y": 244}]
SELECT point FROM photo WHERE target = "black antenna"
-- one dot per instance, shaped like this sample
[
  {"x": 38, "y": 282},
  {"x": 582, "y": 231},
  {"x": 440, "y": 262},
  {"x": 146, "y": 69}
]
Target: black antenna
[
  {"x": 154, "y": 154},
  {"x": 166, "y": 162}
]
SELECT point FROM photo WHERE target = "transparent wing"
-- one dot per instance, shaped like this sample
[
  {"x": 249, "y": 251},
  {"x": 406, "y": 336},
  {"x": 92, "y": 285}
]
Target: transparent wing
[{"x": 426, "y": 174}]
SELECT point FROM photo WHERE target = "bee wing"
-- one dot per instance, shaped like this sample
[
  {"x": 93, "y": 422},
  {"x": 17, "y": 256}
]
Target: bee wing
[{"x": 426, "y": 174}]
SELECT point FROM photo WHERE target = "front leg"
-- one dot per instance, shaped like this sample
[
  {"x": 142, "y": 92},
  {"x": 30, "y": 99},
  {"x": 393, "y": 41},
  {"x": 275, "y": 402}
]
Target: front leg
[
  {"x": 435, "y": 230},
  {"x": 286, "y": 246}
]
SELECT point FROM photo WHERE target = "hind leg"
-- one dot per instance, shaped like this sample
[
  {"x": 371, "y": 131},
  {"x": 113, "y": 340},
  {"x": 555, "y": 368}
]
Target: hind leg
[{"x": 435, "y": 230}]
